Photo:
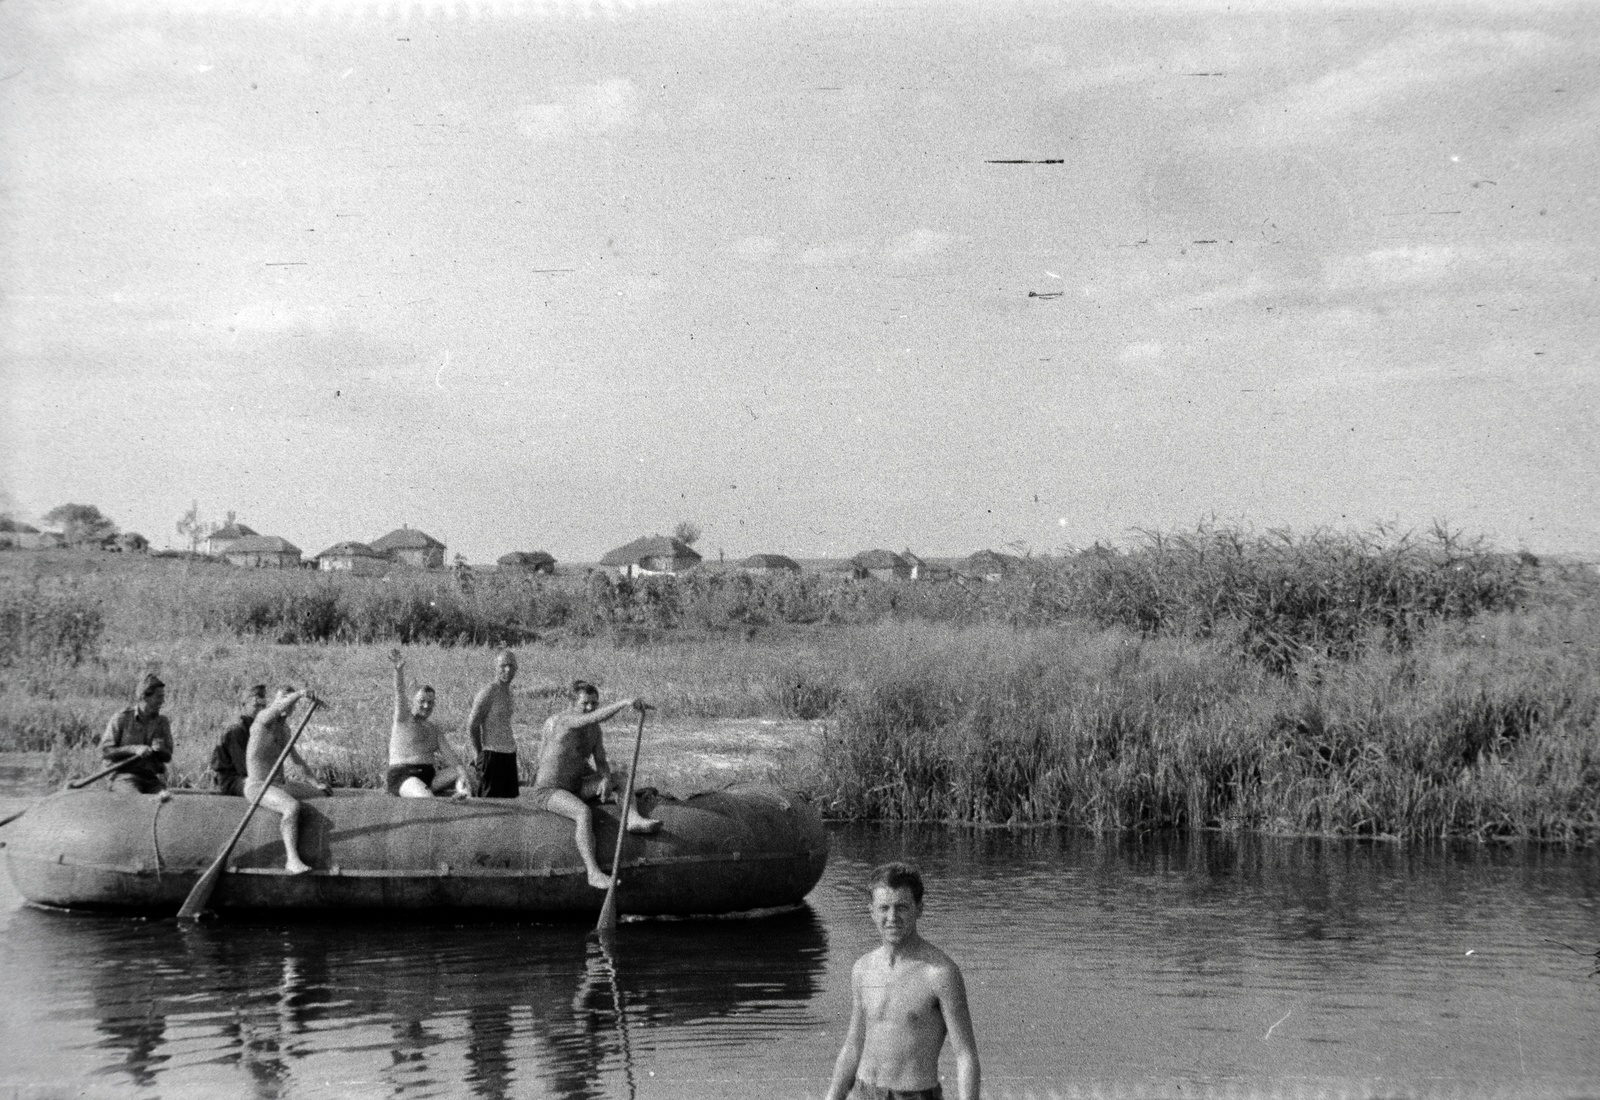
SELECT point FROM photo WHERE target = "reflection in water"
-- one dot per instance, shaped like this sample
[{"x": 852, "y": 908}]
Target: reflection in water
[
  {"x": 512, "y": 1002},
  {"x": 1180, "y": 965},
  {"x": 131, "y": 1017}
]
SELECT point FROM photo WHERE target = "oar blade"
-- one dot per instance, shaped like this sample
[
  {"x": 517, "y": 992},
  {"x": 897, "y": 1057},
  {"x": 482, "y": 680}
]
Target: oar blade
[
  {"x": 607, "y": 924},
  {"x": 194, "y": 906}
]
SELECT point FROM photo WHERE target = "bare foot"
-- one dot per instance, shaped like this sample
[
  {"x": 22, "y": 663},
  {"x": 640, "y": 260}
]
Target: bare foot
[
  {"x": 599, "y": 880},
  {"x": 297, "y": 867},
  {"x": 642, "y": 826}
]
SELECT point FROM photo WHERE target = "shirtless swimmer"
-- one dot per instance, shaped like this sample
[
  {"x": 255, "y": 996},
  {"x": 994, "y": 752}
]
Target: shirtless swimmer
[{"x": 908, "y": 996}]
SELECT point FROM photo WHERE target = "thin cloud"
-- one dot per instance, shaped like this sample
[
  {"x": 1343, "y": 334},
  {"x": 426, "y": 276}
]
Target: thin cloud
[
  {"x": 1382, "y": 80},
  {"x": 918, "y": 244},
  {"x": 1250, "y": 289},
  {"x": 1142, "y": 352},
  {"x": 838, "y": 252},
  {"x": 585, "y": 111},
  {"x": 754, "y": 248}
]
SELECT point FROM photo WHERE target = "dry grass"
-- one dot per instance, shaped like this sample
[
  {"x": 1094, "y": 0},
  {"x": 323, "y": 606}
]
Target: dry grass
[{"x": 1461, "y": 704}]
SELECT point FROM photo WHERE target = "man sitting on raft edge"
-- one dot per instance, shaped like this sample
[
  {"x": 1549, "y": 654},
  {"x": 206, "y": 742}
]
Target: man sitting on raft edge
[
  {"x": 143, "y": 734},
  {"x": 269, "y": 733},
  {"x": 566, "y": 776},
  {"x": 414, "y": 742}
]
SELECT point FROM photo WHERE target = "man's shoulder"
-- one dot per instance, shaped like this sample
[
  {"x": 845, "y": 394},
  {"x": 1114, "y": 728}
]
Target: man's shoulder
[{"x": 940, "y": 966}]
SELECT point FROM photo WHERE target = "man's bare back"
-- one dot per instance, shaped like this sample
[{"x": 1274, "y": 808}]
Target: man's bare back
[{"x": 908, "y": 998}]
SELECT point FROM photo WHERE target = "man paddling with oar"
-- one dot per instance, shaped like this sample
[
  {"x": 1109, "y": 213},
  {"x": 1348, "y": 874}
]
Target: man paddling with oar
[
  {"x": 572, "y": 766},
  {"x": 139, "y": 740},
  {"x": 269, "y": 734}
]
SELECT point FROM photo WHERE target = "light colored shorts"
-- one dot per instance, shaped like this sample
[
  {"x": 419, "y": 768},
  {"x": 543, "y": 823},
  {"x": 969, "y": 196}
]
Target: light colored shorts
[{"x": 294, "y": 788}]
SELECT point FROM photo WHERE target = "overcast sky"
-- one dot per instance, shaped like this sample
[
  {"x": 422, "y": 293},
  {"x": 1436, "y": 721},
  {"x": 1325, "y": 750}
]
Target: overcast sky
[{"x": 552, "y": 276}]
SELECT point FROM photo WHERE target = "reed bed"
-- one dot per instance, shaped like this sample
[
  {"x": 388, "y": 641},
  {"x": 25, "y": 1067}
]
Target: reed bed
[{"x": 1331, "y": 685}]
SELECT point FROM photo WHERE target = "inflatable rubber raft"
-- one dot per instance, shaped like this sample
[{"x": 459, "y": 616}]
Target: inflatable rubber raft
[{"x": 747, "y": 847}]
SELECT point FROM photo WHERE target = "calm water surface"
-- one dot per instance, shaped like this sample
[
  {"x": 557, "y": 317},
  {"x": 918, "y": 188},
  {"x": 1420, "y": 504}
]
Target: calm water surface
[{"x": 1202, "y": 966}]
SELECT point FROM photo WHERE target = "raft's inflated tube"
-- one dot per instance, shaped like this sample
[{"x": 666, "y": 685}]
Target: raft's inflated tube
[{"x": 748, "y": 847}]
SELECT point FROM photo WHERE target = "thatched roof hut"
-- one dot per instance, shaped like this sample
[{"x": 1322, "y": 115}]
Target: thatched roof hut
[
  {"x": 654, "y": 554},
  {"x": 990, "y": 565},
  {"x": 353, "y": 557},
  {"x": 217, "y": 543},
  {"x": 532, "y": 561},
  {"x": 769, "y": 563},
  {"x": 407, "y": 544},
  {"x": 883, "y": 565},
  {"x": 263, "y": 552}
]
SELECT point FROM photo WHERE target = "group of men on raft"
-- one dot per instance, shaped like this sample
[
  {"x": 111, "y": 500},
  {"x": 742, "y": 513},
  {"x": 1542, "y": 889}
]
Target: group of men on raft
[
  {"x": 908, "y": 997},
  {"x": 572, "y": 757}
]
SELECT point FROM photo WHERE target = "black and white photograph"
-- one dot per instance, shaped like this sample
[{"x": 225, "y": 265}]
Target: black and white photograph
[{"x": 816, "y": 549}]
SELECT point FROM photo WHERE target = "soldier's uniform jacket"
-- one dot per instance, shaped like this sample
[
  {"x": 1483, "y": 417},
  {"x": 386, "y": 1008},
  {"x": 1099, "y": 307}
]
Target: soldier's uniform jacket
[{"x": 128, "y": 728}]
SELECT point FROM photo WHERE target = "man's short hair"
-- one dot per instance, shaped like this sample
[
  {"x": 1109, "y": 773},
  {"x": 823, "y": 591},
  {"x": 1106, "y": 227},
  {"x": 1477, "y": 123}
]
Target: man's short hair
[
  {"x": 251, "y": 694},
  {"x": 898, "y": 875},
  {"x": 506, "y": 655},
  {"x": 426, "y": 689},
  {"x": 149, "y": 684},
  {"x": 583, "y": 687}
]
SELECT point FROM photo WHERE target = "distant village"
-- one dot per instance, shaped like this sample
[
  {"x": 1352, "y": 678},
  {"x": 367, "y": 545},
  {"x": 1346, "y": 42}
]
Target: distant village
[{"x": 409, "y": 548}]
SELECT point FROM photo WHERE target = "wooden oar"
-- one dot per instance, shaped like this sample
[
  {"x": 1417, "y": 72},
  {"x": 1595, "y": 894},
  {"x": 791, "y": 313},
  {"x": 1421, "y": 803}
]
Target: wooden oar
[
  {"x": 103, "y": 772},
  {"x": 607, "y": 925},
  {"x": 195, "y": 903}
]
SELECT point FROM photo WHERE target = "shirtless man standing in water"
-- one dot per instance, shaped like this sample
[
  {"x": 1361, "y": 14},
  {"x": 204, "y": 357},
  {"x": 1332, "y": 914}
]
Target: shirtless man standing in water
[
  {"x": 566, "y": 775},
  {"x": 414, "y": 741},
  {"x": 907, "y": 997}
]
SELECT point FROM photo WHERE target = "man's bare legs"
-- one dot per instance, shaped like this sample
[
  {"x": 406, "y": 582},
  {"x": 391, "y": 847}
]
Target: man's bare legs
[
  {"x": 570, "y": 806},
  {"x": 282, "y": 802},
  {"x": 602, "y": 787}
]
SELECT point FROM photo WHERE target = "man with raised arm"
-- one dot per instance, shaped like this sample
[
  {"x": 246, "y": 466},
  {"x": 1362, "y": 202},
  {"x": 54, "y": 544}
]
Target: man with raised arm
[
  {"x": 415, "y": 742},
  {"x": 907, "y": 997},
  {"x": 269, "y": 733},
  {"x": 572, "y": 767},
  {"x": 140, "y": 733},
  {"x": 489, "y": 730}
]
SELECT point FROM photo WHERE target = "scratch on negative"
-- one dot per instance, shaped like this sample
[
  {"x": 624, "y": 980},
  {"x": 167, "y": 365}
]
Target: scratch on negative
[
  {"x": 1274, "y": 1027},
  {"x": 440, "y": 371}
]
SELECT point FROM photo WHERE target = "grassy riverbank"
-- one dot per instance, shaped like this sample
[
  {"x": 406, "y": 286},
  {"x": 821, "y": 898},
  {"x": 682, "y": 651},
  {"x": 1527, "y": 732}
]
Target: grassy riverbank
[{"x": 1330, "y": 685}]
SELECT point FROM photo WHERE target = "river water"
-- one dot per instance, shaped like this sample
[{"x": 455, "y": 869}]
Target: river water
[{"x": 1170, "y": 966}]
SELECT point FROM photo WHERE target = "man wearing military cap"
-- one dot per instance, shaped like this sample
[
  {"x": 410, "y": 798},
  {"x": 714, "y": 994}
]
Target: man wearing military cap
[{"x": 140, "y": 733}]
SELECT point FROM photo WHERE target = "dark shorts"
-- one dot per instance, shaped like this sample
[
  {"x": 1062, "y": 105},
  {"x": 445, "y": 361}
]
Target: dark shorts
[
  {"x": 399, "y": 773},
  {"x": 864, "y": 1091},
  {"x": 497, "y": 775},
  {"x": 232, "y": 784}
]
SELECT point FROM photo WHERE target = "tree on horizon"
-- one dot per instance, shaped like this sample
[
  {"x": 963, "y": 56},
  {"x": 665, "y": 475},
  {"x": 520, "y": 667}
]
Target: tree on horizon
[{"x": 80, "y": 523}]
